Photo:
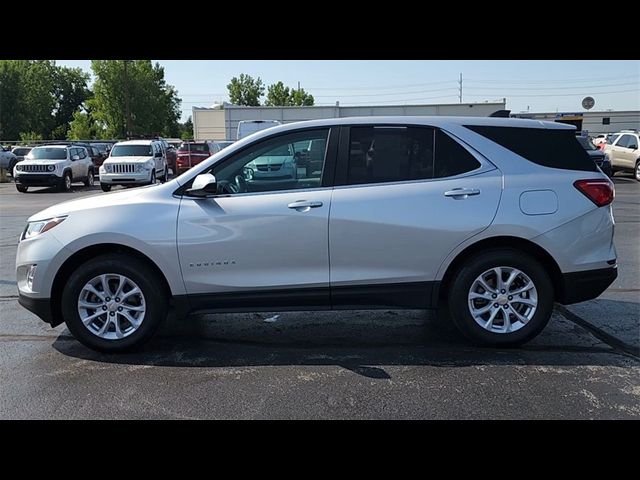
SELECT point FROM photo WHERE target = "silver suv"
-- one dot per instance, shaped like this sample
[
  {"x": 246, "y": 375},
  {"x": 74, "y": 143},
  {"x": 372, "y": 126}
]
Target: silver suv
[
  {"x": 134, "y": 162},
  {"x": 54, "y": 166},
  {"x": 495, "y": 218}
]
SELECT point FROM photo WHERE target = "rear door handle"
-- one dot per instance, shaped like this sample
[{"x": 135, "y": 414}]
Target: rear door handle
[
  {"x": 304, "y": 205},
  {"x": 462, "y": 192}
]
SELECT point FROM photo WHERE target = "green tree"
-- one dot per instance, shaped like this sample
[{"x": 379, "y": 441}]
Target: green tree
[
  {"x": 299, "y": 98},
  {"x": 187, "y": 129},
  {"x": 245, "y": 90},
  {"x": 278, "y": 95},
  {"x": 70, "y": 91},
  {"x": 153, "y": 104},
  {"x": 26, "y": 97},
  {"x": 82, "y": 126},
  {"x": 30, "y": 136}
]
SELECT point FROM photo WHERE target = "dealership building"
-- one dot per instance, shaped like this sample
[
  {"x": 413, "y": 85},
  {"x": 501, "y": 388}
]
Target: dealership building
[{"x": 222, "y": 123}]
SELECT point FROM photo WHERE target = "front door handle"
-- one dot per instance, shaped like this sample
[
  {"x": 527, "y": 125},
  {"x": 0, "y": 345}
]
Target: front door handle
[
  {"x": 304, "y": 205},
  {"x": 462, "y": 192}
]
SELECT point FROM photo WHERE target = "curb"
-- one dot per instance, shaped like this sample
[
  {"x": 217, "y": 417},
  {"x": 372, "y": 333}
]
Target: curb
[{"x": 600, "y": 334}]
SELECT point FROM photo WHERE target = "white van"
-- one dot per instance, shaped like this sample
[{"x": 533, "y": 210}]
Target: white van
[{"x": 247, "y": 127}]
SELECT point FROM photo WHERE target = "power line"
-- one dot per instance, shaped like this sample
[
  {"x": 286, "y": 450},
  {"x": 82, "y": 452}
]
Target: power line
[
  {"x": 556, "y": 88},
  {"x": 564, "y": 80},
  {"x": 548, "y": 94}
]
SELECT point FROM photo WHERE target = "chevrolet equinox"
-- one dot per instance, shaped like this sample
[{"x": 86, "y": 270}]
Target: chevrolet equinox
[{"x": 494, "y": 218}]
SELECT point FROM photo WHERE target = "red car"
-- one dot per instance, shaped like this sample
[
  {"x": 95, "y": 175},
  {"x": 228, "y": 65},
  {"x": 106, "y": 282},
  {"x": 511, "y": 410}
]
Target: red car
[{"x": 192, "y": 153}]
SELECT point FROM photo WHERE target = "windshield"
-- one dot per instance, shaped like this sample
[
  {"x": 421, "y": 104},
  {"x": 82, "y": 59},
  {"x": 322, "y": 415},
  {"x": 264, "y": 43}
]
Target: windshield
[
  {"x": 21, "y": 151},
  {"x": 131, "y": 151},
  {"x": 45, "y": 153},
  {"x": 586, "y": 143},
  {"x": 194, "y": 147}
]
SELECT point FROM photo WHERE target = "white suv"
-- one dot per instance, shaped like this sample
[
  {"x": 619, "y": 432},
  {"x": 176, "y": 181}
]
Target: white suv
[
  {"x": 134, "y": 162},
  {"x": 495, "y": 217},
  {"x": 54, "y": 166}
]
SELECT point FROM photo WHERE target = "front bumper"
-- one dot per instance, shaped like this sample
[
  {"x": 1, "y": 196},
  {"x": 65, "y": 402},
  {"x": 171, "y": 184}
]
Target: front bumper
[
  {"x": 41, "y": 180},
  {"x": 125, "y": 178},
  {"x": 586, "y": 285},
  {"x": 41, "y": 307}
]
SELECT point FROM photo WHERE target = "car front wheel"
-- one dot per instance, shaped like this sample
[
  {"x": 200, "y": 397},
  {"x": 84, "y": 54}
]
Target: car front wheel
[
  {"x": 65, "y": 183},
  {"x": 22, "y": 188},
  {"x": 105, "y": 187},
  {"x": 637, "y": 170},
  {"x": 112, "y": 303},
  {"x": 502, "y": 297}
]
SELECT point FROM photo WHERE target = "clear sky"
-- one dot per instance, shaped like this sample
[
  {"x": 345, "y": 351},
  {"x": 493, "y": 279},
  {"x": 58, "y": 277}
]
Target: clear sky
[{"x": 534, "y": 85}]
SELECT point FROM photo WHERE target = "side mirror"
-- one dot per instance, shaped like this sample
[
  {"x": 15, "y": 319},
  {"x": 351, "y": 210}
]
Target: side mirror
[
  {"x": 633, "y": 146},
  {"x": 75, "y": 157},
  {"x": 158, "y": 155},
  {"x": 204, "y": 186}
]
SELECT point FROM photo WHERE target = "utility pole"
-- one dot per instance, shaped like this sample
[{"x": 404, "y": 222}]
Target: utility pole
[
  {"x": 127, "y": 108},
  {"x": 460, "y": 88},
  {"x": 298, "y": 85}
]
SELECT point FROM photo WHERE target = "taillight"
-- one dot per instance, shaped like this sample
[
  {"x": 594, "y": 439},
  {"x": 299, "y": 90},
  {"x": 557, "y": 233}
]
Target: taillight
[{"x": 599, "y": 191}]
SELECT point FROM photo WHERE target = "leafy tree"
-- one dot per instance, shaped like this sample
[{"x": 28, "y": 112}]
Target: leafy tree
[
  {"x": 30, "y": 136},
  {"x": 82, "y": 126},
  {"x": 245, "y": 90},
  {"x": 278, "y": 95},
  {"x": 70, "y": 91},
  {"x": 153, "y": 104},
  {"x": 300, "y": 97},
  {"x": 40, "y": 97},
  {"x": 187, "y": 129},
  {"x": 281, "y": 96}
]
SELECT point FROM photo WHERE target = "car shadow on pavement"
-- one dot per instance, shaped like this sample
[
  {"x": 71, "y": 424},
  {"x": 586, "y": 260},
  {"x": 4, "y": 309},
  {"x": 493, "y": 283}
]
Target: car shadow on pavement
[{"x": 362, "y": 342}]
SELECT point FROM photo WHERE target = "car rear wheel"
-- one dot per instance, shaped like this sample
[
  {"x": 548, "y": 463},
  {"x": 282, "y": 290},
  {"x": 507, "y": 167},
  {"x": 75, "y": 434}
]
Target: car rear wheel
[
  {"x": 502, "y": 297},
  {"x": 112, "y": 303},
  {"x": 65, "y": 183},
  {"x": 22, "y": 188},
  {"x": 165, "y": 175},
  {"x": 105, "y": 187},
  {"x": 90, "y": 180}
]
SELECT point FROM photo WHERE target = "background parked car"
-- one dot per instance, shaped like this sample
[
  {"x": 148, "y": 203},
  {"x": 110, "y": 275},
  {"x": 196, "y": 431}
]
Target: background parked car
[
  {"x": 598, "y": 156},
  {"x": 6, "y": 158},
  {"x": 56, "y": 165},
  {"x": 624, "y": 153},
  {"x": 191, "y": 153}
]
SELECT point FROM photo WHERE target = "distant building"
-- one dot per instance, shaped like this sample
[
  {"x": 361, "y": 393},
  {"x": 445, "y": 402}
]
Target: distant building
[
  {"x": 222, "y": 124},
  {"x": 593, "y": 122}
]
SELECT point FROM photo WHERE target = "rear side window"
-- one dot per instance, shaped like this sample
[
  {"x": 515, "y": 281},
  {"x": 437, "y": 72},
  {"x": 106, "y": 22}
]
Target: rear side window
[
  {"x": 549, "y": 148},
  {"x": 451, "y": 157},
  {"x": 390, "y": 154}
]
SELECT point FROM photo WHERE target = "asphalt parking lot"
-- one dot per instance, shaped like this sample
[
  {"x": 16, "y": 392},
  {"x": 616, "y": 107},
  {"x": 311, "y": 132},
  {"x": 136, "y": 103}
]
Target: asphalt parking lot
[{"x": 327, "y": 365}]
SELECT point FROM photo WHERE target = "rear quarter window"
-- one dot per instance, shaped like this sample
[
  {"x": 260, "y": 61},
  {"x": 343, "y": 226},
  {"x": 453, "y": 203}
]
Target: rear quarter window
[{"x": 549, "y": 148}]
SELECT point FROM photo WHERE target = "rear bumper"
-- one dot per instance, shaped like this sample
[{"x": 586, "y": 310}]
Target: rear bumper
[
  {"x": 586, "y": 285},
  {"x": 41, "y": 307},
  {"x": 43, "y": 180}
]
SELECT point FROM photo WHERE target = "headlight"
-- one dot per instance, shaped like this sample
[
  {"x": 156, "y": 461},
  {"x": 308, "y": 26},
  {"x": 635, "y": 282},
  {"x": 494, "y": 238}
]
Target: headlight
[
  {"x": 51, "y": 168},
  {"x": 34, "y": 229},
  {"x": 140, "y": 167},
  {"x": 108, "y": 168},
  {"x": 19, "y": 167}
]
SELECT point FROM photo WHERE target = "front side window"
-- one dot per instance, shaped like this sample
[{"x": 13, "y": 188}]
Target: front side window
[
  {"x": 292, "y": 161},
  {"x": 623, "y": 141},
  {"x": 82, "y": 153}
]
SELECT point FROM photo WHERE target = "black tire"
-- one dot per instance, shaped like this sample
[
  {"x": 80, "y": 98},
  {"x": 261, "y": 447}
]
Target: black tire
[
  {"x": 89, "y": 182},
  {"x": 105, "y": 187},
  {"x": 152, "y": 181},
  {"x": 636, "y": 171},
  {"x": 12, "y": 163},
  {"x": 165, "y": 175},
  {"x": 65, "y": 183},
  {"x": 142, "y": 274},
  {"x": 22, "y": 188},
  {"x": 461, "y": 284}
]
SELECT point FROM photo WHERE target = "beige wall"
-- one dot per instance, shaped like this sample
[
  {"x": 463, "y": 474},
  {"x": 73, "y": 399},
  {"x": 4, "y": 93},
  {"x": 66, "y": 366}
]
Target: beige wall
[
  {"x": 208, "y": 124},
  {"x": 209, "y": 120}
]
